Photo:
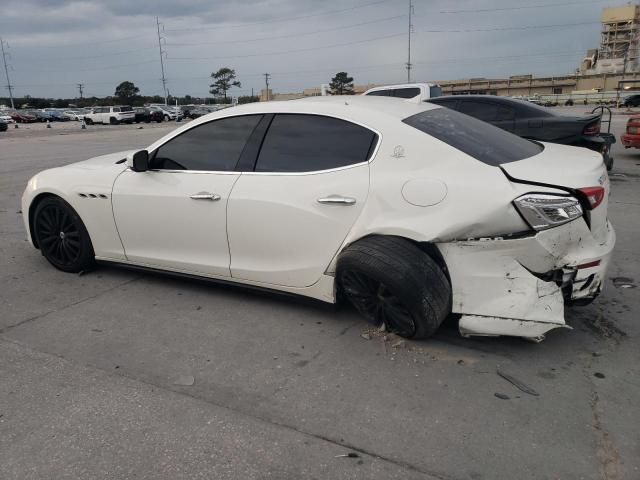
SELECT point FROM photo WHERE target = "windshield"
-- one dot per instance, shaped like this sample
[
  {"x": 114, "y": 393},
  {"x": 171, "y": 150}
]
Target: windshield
[{"x": 480, "y": 140}]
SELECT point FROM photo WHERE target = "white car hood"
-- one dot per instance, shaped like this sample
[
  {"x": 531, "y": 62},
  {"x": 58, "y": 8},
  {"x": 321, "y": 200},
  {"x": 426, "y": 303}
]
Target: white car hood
[{"x": 103, "y": 161}]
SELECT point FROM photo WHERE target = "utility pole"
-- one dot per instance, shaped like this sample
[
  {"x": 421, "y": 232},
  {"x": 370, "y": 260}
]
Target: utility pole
[
  {"x": 6, "y": 71},
  {"x": 409, "y": 64},
  {"x": 162, "y": 53},
  {"x": 80, "y": 89},
  {"x": 266, "y": 81}
]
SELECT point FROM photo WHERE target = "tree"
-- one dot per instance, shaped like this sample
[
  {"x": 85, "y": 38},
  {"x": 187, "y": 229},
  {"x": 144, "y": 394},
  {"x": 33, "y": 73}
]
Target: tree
[
  {"x": 126, "y": 92},
  {"x": 341, "y": 84},
  {"x": 223, "y": 80}
]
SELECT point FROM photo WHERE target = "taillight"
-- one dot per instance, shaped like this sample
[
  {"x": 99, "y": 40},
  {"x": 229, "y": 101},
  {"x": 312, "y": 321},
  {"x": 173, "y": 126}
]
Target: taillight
[
  {"x": 594, "y": 195},
  {"x": 592, "y": 129},
  {"x": 542, "y": 210}
]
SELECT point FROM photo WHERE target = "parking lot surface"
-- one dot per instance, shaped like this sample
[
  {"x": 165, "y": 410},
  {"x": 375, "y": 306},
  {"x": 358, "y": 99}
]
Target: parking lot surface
[{"x": 119, "y": 375}]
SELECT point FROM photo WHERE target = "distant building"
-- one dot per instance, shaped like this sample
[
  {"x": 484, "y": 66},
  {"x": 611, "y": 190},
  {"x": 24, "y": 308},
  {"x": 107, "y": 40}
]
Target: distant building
[{"x": 619, "y": 50}]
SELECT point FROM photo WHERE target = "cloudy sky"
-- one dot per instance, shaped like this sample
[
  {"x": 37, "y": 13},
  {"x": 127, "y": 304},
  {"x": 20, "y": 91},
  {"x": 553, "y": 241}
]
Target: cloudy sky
[{"x": 55, "y": 44}]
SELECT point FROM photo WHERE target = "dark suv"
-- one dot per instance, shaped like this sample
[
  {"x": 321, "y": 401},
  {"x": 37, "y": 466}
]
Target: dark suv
[{"x": 631, "y": 101}]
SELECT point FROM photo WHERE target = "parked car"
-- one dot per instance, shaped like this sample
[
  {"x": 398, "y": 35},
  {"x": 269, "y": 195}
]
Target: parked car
[
  {"x": 147, "y": 115},
  {"x": 631, "y": 137},
  {"x": 6, "y": 118},
  {"x": 3, "y": 126},
  {"x": 198, "y": 112},
  {"x": 631, "y": 101},
  {"x": 417, "y": 91},
  {"x": 409, "y": 211},
  {"x": 110, "y": 115},
  {"x": 534, "y": 122},
  {"x": 23, "y": 117},
  {"x": 43, "y": 115},
  {"x": 58, "y": 116},
  {"x": 75, "y": 115},
  {"x": 168, "y": 113}
]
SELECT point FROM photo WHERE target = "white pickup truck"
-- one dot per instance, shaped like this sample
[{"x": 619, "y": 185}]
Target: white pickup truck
[
  {"x": 110, "y": 115},
  {"x": 419, "y": 92}
]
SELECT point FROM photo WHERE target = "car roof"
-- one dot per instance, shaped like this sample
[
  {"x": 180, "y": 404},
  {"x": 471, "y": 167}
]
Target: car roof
[
  {"x": 368, "y": 110},
  {"x": 507, "y": 101}
]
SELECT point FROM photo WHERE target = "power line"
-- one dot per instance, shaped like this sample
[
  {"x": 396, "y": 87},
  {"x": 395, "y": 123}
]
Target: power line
[
  {"x": 342, "y": 44},
  {"x": 522, "y": 7},
  {"x": 6, "y": 70},
  {"x": 504, "y": 29},
  {"x": 279, "y": 20},
  {"x": 287, "y": 35}
]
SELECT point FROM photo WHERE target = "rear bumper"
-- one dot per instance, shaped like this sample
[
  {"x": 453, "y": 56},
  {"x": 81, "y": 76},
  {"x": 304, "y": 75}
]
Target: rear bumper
[
  {"x": 519, "y": 287},
  {"x": 630, "y": 141}
]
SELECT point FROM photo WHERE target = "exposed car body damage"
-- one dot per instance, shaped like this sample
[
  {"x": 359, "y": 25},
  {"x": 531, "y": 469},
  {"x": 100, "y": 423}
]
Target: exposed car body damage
[{"x": 496, "y": 282}]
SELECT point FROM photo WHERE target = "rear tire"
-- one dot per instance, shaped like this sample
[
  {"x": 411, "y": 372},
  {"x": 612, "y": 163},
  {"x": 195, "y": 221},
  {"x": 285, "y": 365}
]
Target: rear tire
[
  {"x": 88, "y": 121},
  {"x": 62, "y": 237},
  {"x": 390, "y": 281}
]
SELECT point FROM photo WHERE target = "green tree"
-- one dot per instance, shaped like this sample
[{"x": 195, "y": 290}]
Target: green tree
[
  {"x": 126, "y": 92},
  {"x": 341, "y": 84},
  {"x": 223, "y": 80}
]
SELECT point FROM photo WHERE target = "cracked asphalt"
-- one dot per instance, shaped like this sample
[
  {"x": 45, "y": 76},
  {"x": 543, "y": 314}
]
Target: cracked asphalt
[{"x": 121, "y": 375}]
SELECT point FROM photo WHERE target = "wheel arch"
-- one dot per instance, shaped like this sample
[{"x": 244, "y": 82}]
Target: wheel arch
[
  {"x": 32, "y": 210},
  {"x": 429, "y": 248}
]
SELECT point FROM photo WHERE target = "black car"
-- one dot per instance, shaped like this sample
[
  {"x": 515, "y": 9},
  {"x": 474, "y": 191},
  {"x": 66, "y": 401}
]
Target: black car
[
  {"x": 533, "y": 121},
  {"x": 3, "y": 126},
  {"x": 631, "y": 101},
  {"x": 146, "y": 115}
]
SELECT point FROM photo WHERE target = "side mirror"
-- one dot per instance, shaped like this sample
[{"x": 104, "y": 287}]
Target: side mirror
[{"x": 139, "y": 161}]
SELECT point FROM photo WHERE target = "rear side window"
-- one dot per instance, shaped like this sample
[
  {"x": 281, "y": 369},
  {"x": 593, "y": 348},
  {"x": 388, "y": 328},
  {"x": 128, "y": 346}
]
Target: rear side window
[
  {"x": 308, "y": 143},
  {"x": 481, "y": 140}
]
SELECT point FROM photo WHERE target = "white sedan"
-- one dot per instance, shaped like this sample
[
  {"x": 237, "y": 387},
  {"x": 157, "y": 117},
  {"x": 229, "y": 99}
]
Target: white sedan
[{"x": 412, "y": 212}]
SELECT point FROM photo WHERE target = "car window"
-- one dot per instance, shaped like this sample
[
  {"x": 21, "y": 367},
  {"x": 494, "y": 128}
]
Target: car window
[
  {"x": 506, "y": 113},
  {"x": 116, "y": 109},
  {"x": 449, "y": 102},
  {"x": 484, "y": 111},
  {"x": 307, "y": 143},
  {"x": 406, "y": 92},
  {"x": 435, "y": 91},
  {"x": 480, "y": 140},
  {"x": 213, "y": 146},
  {"x": 380, "y": 93}
]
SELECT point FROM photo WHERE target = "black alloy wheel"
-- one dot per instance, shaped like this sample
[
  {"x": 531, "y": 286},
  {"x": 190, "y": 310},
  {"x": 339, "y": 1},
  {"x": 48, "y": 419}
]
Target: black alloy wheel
[
  {"x": 374, "y": 301},
  {"x": 61, "y": 236}
]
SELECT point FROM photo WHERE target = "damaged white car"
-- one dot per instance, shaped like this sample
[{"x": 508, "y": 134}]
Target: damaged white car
[{"x": 411, "y": 212}]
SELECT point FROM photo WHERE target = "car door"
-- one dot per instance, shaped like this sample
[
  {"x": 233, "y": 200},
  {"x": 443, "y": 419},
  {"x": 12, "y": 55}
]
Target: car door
[
  {"x": 288, "y": 217},
  {"x": 173, "y": 216}
]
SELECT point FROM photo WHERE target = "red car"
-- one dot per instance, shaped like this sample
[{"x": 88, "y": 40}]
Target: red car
[
  {"x": 631, "y": 137},
  {"x": 22, "y": 117}
]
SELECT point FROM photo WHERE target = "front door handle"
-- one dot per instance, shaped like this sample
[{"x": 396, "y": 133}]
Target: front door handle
[
  {"x": 337, "y": 200},
  {"x": 205, "y": 196}
]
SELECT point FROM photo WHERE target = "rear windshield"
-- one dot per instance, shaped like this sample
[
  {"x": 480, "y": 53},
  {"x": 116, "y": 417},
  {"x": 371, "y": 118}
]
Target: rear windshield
[{"x": 482, "y": 141}]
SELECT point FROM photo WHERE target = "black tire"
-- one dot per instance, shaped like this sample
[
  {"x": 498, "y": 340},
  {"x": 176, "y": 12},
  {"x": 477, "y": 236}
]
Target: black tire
[
  {"x": 113, "y": 121},
  {"x": 166, "y": 118},
  {"x": 390, "y": 281},
  {"x": 62, "y": 237},
  {"x": 88, "y": 121}
]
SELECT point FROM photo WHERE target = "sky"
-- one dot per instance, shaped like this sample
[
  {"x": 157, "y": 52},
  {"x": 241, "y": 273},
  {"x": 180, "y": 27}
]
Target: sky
[{"x": 55, "y": 44}]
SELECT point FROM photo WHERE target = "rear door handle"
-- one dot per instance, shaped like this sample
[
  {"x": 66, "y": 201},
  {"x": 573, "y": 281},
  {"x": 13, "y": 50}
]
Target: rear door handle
[
  {"x": 337, "y": 200},
  {"x": 205, "y": 196}
]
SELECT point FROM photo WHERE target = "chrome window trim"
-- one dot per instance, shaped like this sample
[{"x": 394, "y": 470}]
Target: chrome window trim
[{"x": 314, "y": 172}]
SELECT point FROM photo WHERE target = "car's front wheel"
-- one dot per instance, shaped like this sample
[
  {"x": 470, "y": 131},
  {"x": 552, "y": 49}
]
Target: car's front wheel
[
  {"x": 61, "y": 236},
  {"x": 392, "y": 282}
]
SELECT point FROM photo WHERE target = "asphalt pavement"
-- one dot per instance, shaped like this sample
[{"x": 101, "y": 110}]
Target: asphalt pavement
[{"x": 125, "y": 375}]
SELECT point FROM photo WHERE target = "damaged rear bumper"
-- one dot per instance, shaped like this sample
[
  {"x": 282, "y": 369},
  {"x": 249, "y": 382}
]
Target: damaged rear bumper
[{"x": 519, "y": 286}]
